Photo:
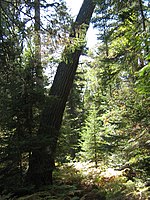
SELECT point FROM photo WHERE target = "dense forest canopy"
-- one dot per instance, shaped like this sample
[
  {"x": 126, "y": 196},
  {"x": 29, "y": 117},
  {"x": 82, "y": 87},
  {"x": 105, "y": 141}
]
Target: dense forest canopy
[{"x": 58, "y": 112}]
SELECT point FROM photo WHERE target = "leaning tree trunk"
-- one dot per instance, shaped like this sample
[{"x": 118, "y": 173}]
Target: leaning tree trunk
[{"x": 41, "y": 164}]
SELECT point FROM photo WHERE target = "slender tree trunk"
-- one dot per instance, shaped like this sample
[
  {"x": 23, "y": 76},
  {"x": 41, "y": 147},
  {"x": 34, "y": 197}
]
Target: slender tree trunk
[
  {"x": 144, "y": 30},
  {"x": 143, "y": 22},
  {"x": 142, "y": 15},
  {"x": 42, "y": 160},
  {"x": 37, "y": 54}
]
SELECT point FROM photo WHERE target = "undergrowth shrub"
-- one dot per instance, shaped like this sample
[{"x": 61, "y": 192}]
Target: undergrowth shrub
[
  {"x": 68, "y": 174},
  {"x": 89, "y": 183}
]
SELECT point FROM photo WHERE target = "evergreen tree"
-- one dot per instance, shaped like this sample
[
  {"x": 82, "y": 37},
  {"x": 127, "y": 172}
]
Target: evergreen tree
[
  {"x": 11, "y": 92},
  {"x": 109, "y": 114},
  {"x": 121, "y": 55},
  {"x": 90, "y": 137},
  {"x": 22, "y": 85},
  {"x": 73, "y": 120},
  {"x": 52, "y": 114}
]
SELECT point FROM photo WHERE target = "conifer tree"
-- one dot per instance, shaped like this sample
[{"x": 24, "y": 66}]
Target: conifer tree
[
  {"x": 73, "y": 120},
  {"x": 52, "y": 114},
  {"x": 22, "y": 85},
  {"x": 90, "y": 137},
  {"x": 126, "y": 61}
]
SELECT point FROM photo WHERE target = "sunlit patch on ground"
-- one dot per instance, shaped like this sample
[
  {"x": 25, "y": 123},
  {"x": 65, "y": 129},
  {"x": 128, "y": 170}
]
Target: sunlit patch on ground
[
  {"x": 113, "y": 182},
  {"x": 111, "y": 172}
]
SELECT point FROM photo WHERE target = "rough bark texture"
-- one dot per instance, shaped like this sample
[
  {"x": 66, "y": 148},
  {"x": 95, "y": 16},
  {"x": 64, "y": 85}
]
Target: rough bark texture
[{"x": 42, "y": 160}]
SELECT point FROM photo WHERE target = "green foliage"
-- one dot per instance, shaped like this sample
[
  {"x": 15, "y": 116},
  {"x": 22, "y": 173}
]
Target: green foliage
[
  {"x": 106, "y": 120},
  {"x": 5, "y": 197},
  {"x": 143, "y": 82},
  {"x": 23, "y": 93},
  {"x": 75, "y": 42},
  {"x": 97, "y": 183},
  {"x": 90, "y": 137},
  {"x": 68, "y": 144},
  {"x": 84, "y": 181},
  {"x": 69, "y": 174},
  {"x": 121, "y": 86}
]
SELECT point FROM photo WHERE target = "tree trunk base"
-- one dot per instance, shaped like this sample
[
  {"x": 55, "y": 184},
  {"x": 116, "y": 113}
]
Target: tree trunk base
[{"x": 41, "y": 168}]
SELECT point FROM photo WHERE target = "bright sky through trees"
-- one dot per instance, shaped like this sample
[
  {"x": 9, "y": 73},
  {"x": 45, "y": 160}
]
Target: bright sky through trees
[{"x": 74, "y": 6}]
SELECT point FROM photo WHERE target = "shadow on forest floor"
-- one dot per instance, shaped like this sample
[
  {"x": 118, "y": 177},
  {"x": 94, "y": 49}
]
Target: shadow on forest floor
[{"x": 82, "y": 181}]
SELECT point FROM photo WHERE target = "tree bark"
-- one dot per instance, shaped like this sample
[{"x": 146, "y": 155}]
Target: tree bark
[
  {"x": 42, "y": 160},
  {"x": 143, "y": 23}
]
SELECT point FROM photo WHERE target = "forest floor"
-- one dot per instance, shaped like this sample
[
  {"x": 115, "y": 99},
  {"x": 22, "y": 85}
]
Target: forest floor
[{"x": 83, "y": 181}]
